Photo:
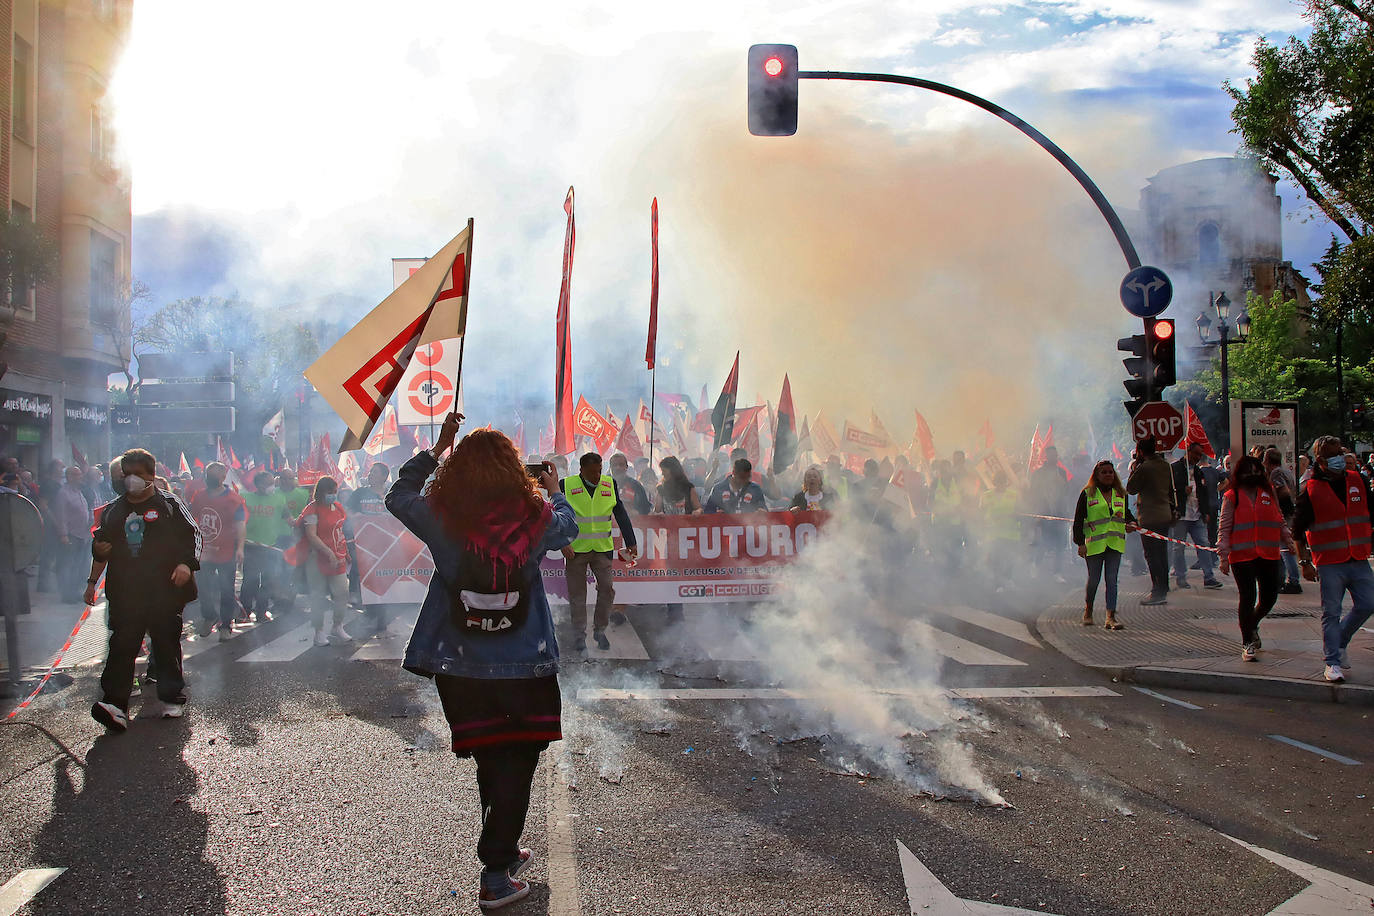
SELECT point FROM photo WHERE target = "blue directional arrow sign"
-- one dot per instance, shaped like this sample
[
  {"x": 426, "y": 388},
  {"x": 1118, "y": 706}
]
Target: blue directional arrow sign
[{"x": 1146, "y": 292}]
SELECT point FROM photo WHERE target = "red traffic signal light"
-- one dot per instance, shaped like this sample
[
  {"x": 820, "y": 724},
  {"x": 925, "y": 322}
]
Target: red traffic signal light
[
  {"x": 1162, "y": 363},
  {"x": 772, "y": 75},
  {"x": 772, "y": 66},
  {"x": 1164, "y": 329}
]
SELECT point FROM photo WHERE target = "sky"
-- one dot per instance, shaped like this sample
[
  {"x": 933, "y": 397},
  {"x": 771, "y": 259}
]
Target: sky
[{"x": 902, "y": 250}]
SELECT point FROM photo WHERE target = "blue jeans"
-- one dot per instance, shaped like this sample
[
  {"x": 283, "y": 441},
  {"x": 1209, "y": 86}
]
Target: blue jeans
[
  {"x": 1108, "y": 562},
  {"x": 1353, "y": 576},
  {"x": 1290, "y": 567},
  {"x": 1197, "y": 529},
  {"x": 216, "y": 585}
]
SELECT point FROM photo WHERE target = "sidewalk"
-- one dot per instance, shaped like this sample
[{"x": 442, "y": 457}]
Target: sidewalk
[
  {"x": 42, "y": 633},
  {"x": 1193, "y": 643}
]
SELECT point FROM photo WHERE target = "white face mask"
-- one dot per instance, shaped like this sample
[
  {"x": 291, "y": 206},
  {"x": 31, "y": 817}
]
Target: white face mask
[{"x": 135, "y": 484}]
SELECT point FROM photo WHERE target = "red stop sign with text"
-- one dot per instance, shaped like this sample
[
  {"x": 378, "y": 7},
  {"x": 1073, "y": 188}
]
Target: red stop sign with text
[{"x": 1160, "y": 421}]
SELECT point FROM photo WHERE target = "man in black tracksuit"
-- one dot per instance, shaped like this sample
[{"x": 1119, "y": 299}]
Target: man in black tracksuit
[{"x": 148, "y": 546}]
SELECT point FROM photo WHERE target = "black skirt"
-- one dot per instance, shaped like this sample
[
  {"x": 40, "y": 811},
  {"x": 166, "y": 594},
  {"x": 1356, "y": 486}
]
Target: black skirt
[{"x": 498, "y": 712}]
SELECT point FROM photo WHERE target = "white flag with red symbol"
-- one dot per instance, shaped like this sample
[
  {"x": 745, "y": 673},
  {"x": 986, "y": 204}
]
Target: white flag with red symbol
[{"x": 358, "y": 375}]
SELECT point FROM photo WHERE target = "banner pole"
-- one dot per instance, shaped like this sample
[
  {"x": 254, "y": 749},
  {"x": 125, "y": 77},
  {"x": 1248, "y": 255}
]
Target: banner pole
[{"x": 653, "y": 396}]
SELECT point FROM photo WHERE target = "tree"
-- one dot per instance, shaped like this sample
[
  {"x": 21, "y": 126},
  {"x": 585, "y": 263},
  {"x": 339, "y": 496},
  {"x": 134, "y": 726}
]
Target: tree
[
  {"x": 1279, "y": 362},
  {"x": 117, "y": 323},
  {"x": 27, "y": 258}
]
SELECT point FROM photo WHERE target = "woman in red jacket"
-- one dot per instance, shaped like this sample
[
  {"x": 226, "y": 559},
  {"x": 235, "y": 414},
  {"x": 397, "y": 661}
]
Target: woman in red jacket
[{"x": 1251, "y": 532}]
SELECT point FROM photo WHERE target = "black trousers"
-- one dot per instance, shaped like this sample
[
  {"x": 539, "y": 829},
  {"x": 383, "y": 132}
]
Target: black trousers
[
  {"x": 1257, "y": 575},
  {"x": 1157, "y": 559},
  {"x": 129, "y": 623},
  {"x": 504, "y": 777}
]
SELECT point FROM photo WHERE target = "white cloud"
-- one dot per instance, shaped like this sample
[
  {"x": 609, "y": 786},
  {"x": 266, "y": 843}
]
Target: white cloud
[
  {"x": 1035, "y": 24},
  {"x": 954, "y": 37}
]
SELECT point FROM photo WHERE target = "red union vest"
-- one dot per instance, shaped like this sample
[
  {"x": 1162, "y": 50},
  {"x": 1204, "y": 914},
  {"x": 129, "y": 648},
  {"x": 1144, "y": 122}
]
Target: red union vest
[
  {"x": 1340, "y": 531},
  {"x": 1257, "y": 526}
]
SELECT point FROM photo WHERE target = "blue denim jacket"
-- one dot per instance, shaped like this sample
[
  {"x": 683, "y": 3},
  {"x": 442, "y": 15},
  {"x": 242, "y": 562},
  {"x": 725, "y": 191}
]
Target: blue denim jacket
[{"x": 436, "y": 645}]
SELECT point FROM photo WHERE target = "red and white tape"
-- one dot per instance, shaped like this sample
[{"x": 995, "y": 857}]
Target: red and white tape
[
  {"x": 56, "y": 661},
  {"x": 1144, "y": 532}
]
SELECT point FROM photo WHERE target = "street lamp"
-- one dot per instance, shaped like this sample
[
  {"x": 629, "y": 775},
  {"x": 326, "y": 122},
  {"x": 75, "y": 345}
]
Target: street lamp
[{"x": 1221, "y": 307}]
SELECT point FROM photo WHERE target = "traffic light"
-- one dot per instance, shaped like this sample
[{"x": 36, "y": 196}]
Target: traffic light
[
  {"x": 1359, "y": 417},
  {"x": 1163, "y": 372},
  {"x": 1138, "y": 368},
  {"x": 773, "y": 90}
]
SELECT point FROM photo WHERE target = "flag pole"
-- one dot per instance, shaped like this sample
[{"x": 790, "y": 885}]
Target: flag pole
[{"x": 653, "y": 396}]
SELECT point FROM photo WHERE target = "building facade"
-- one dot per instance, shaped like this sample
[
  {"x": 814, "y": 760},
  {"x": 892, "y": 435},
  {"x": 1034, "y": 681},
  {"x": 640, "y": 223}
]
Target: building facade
[
  {"x": 1214, "y": 226},
  {"x": 58, "y": 168}
]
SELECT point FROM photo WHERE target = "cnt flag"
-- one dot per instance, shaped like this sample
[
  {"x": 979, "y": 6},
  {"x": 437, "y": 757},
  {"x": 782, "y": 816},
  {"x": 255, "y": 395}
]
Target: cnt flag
[
  {"x": 785, "y": 437},
  {"x": 723, "y": 416},
  {"x": 358, "y": 375},
  {"x": 563, "y": 434}
]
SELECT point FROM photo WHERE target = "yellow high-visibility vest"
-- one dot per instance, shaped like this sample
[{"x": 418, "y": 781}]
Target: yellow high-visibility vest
[
  {"x": 592, "y": 507},
  {"x": 1104, "y": 524}
]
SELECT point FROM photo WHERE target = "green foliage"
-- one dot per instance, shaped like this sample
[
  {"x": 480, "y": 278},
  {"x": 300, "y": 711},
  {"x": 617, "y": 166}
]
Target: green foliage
[{"x": 1280, "y": 362}]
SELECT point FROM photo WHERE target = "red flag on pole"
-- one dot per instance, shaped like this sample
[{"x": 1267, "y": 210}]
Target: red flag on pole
[
  {"x": 628, "y": 443},
  {"x": 563, "y": 442},
  {"x": 1195, "y": 432},
  {"x": 78, "y": 458},
  {"x": 785, "y": 436},
  {"x": 650, "y": 351},
  {"x": 723, "y": 416},
  {"x": 924, "y": 439},
  {"x": 749, "y": 441}
]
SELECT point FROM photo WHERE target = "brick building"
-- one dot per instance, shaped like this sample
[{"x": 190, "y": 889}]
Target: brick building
[{"x": 57, "y": 168}]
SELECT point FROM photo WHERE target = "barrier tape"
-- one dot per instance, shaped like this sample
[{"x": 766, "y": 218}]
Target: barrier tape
[
  {"x": 52, "y": 669},
  {"x": 1144, "y": 532}
]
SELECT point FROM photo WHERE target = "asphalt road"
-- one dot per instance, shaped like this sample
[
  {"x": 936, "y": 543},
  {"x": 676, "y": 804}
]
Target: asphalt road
[{"x": 322, "y": 783}]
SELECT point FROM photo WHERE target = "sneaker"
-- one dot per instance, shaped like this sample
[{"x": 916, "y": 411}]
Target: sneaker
[
  {"x": 500, "y": 890},
  {"x": 203, "y": 628},
  {"x": 111, "y": 716},
  {"x": 339, "y": 634},
  {"x": 1334, "y": 674},
  {"x": 522, "y": 863},
  {"x": 1211, "y": 583},
  {"x": 580, "y": 644},
  {"x": 1181, "y": 583},
  {"x": 1154, "y": 601},
  {"x": 1248, "y": 654},
  {"x": 262, "y": 616},
  {"x": 320, "y": 638},
  {"x": 156, "y": 709},
  {"x": 226, "y": 632},
  {"x": 601, "y": 641},
  {"x": 1291, "y": 588}
]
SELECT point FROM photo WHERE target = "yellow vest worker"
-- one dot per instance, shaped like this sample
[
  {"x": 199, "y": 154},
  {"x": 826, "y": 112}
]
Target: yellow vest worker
[
  {"x": 593, "y": 507},
  {"x": 1104, "y": 524},
  {"x": 999, "y": 514}
]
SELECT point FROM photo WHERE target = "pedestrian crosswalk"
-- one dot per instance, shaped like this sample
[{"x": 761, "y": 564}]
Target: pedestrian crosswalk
[{"x": 964, "y": 636}]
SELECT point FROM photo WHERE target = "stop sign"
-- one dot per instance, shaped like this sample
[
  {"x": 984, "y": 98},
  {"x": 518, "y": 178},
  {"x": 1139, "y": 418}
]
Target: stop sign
[{"x": 1161, "y": 422}]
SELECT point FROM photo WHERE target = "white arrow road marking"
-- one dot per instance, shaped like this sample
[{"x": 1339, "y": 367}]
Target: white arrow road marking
[
  {"x": 1330, "y": 894},
  {"x": 781, "y": 693},
  {"x": 927, "y": 894},
  {"x": 24, "y": 886}
]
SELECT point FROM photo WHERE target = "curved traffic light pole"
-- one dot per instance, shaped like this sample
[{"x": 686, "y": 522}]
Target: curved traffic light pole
[{"x": 1122, "y": 238}]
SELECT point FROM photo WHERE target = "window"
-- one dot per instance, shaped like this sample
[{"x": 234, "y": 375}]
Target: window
[
  {"x": 97, "y": 137},
  {"x": 21, "y": 101},
  {"x": 1209, "y": 244},
  {"x": 104, "y": 277},
  {"x": 26, "y": 302}
]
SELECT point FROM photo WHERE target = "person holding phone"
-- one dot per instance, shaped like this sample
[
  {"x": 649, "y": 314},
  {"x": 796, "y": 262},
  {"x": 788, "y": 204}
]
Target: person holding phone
[{"x": 485, "y": 633}]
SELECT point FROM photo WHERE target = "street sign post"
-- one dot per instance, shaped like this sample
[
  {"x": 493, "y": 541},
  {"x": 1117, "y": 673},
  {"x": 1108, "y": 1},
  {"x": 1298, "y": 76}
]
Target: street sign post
[{"x": 1160, "y": 421}]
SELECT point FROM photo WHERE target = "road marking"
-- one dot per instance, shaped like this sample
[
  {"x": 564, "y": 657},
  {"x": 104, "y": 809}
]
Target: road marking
[
  {"x": 925, "y": 893},
  {"x": 959, "y": 650},
  {"x": 1316, "y": 750},
  {"x": 284, "y": 648},
  {"x": 388, "y": 646},
  {"x": 564, "y": 897},
  {"x": 24, "y": 886},
  {"x": 1159, "y": 696},
  {"x": 625, "y": 645},
  {"x": 781, "y": 693},
  {"x": 1013, "y": 629},
  {"x": 1328, "y": 893}
]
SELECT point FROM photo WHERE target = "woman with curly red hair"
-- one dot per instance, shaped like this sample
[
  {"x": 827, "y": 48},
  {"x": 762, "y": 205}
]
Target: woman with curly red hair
[{"x": 485, "y": 632}]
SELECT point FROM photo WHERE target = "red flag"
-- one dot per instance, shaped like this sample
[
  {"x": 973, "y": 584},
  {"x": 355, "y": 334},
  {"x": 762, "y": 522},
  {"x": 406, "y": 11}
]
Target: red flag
[
  {"x": 563, "y": 396},
  {"x": 77, "y": 457},
  {"x": 986, "y": 433},
  {"x": 628, "y": 443},
  {"x": 519, "y": 434},
  {"x": 1037, "y": 451},
  {"x": 653, "y": 288},
  {"x": 1048, "y": 440},
  {"x": 924, "y": 439},
  {"x": 200, "y": 464},
  {"x": 1116, "y": 452},
  {"x": 546, "y": 438},
  {"x": 234, "y": 459},
  {"x": 184, "y": 468},
  {"x": 587, "y": 422},
  {"x": 749, "y": 441},
  {"x": 1195, "y": 432},
  {"x": 785, "y": 436},
  {"x": 723, "y": 416}
]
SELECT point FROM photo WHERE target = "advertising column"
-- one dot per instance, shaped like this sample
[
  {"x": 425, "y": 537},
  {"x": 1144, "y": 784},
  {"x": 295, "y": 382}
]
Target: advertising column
[{"x": 1267, "y": 423}]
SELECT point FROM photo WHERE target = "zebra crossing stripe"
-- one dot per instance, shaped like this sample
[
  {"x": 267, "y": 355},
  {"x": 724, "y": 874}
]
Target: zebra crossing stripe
[
  {"x": 284, "y": 648},
  {"x": 783, "y": 693},
  {"x": 1012, "y": 629},
  {"x": 959, "y": 650},
  {"x": 24, "y": 886}
]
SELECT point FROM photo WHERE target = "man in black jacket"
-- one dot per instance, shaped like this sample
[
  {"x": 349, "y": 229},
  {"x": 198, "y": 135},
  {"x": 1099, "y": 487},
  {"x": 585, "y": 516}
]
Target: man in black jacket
[
  {"x": 148, "y": 546},
  {"x": 1196, "y": 500}
]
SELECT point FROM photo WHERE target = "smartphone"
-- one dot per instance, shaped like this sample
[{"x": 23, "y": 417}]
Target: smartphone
[{"x": 534, "y": 470}]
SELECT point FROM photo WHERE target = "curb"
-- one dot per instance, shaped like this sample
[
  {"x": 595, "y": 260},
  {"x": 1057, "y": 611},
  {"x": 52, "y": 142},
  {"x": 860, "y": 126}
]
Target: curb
[{"x": 1246, "y": 684}]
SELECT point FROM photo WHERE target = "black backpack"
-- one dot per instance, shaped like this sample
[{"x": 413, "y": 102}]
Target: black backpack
[{"x": 489, "y": 596}]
